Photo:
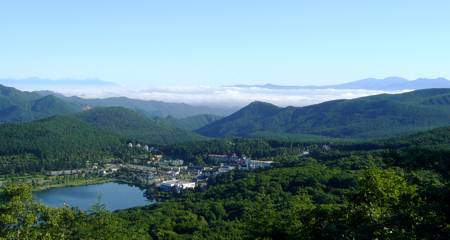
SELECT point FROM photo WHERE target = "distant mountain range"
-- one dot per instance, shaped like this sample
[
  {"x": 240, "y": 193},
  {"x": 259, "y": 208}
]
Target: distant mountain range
[
  {"x": 23, "y": 106},
  {"x": 150, "y": 108},
  {"x": 386, "y": 84},
  {"x": 368, "y": 117},
  {"x": 163, "y": 123},
  {"x": 143, "y": 124}
]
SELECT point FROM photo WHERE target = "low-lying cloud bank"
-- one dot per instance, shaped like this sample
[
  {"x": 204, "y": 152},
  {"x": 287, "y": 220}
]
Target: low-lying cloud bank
[
  {"x": 217, "y": 96},
  {"x": 242, "y": 96}
]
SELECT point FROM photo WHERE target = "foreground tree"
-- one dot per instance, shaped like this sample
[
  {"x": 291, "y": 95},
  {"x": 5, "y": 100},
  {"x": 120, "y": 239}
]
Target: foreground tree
[
  {"x": 385, "y": 207},
  {"x": 18, "y": 213}
]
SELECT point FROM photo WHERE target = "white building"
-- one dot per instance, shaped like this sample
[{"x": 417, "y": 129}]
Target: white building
[
  {"x": 174, "y": 173},
  {"x": 186, "y": 185},
  {"x": 253, "y": 164},
  {"x": 177, "y": 185},
  {"x": 168, "y": 185},
  {"x": 224, "y": 169}
]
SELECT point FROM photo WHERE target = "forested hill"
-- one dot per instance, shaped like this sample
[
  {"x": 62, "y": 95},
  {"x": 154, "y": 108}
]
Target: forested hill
[
  {"x": 330, "y": 194},
  {"x": 134, "y": 126},
  {"x": 23, "y": 106},
  {"x": 53, "y": 143},
  {"x": 368, "y": 117},
  {"x": 190, "y": 123},
  {"x": 66, "y": 142},
  {"x": 20, "y": 106},
  {"x": 431, "y": 138},
  {"x": 150, "y": 108}
]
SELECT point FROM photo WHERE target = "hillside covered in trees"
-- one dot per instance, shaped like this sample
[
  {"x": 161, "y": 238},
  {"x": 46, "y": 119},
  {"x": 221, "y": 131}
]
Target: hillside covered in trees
[
  {"x": 391, "y": 188},
  {"x": 368, "y": 117},
  {"x": 190, "y": 123},
  {"x": 23, "y": 106},
  {"x": 371, "y": 190},
  {"x": 149, "y": 108},
  {"x": 135, "y": 126},
  {"x": 53, "y": 143},
  {"x": 20, "y": 106},
  {"x": 65, "y": 142}
]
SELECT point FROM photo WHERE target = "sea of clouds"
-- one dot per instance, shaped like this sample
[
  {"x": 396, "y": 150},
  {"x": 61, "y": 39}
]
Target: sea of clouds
[
  {"x": 238, "y": 96},
  {"x": 213, "y": 96}
]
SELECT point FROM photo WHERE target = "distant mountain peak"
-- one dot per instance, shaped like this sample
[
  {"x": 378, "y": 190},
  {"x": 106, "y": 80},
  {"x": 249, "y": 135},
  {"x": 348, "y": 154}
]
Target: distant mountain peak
[
  {"x": 260, "y": 106},
  {"x": 392, "y": 83},
  {"x": 260, "y": 103}
]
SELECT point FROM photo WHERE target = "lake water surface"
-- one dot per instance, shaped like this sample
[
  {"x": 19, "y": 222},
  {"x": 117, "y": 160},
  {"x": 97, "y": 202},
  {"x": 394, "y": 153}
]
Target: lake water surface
[{"x": 113, "y": 195}]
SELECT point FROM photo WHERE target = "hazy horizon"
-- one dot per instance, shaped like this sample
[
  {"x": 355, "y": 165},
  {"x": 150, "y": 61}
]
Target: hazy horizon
[{"x": 220, "y": 96}]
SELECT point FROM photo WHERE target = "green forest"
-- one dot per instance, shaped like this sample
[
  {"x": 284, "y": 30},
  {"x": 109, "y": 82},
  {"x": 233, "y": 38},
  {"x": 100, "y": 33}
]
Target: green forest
[
  {"x": 396, "y": 187},
  {"x": 224, "y": 120},
  {"x": 377, "y": 116},
  {"x": 53, "y": 143},
  {"x": 386, "y": 189}
]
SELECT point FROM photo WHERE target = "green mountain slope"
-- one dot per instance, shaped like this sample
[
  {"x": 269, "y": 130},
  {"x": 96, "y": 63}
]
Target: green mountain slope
[
  {"x": 134, "y": 126},
  {"x": 190, "y": 123},
  {"x": 23, "y": 106},
  {"x": 20, "y": 106},
  {"x": 66, "y": 142},
  {"x": 434, "y": 138},
  {"x": 368, "y": 117},
  {"x": 53, "y": 143},
  {"x": 150, "y": 108}
]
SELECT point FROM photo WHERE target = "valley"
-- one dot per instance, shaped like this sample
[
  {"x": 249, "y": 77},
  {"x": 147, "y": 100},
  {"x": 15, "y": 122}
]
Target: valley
[
  {"x": 224, "y": 120},
  {"x": 343, "y": 168}
]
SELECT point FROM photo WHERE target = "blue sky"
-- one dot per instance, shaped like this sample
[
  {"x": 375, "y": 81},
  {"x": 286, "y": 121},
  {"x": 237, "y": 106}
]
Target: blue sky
[{"x": 163, "y": 43}]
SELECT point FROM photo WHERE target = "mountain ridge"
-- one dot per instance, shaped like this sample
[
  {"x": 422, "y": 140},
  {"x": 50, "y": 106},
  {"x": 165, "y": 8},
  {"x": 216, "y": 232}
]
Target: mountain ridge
[
  {"x": 387, "y": 84},
  {"x": 23, "y": 106},
  {"x": 134, "y": 126},
  {"x": 151, "y": 108},
  {"x": 367, "y": 117}
]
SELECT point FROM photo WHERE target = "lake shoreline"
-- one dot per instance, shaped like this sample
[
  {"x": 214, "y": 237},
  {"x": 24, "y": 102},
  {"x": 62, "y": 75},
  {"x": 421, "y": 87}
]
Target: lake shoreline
[
  {"x": 42, "y": 182},
  {"x": 74, "y": 183}
]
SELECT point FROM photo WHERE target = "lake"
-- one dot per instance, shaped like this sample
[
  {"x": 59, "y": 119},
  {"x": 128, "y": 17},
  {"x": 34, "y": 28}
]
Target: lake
[{"x": 113, "y": 195}]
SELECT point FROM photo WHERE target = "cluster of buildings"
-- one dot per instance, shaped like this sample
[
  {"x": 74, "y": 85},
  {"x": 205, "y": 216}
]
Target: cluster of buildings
[
  {"x": 156, "y": 154},
  {"x": 176, "y": 184},
  {"x": 232, "y": 161},
  {"x": 94, "y": 169},
  {"x": 221, "y": 158},
  {"x": 153, "y": 172},
  {"x": 69, "y": 172},
  {"x": 167, "y": 175},
  {"x": 198, "y": 175}
]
